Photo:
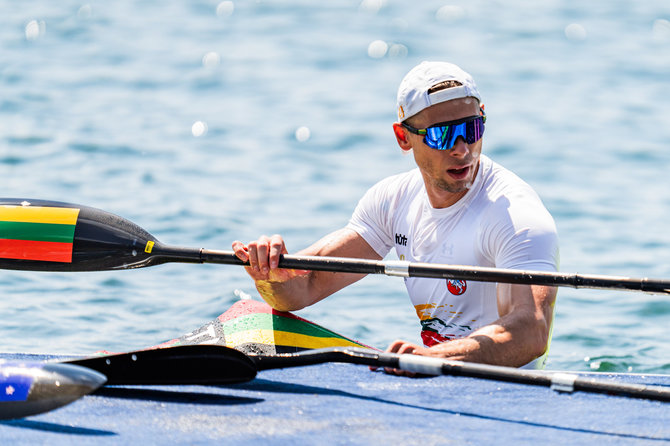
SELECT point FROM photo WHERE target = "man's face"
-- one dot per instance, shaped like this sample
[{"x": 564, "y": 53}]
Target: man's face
[{"x": 448, "y": 174}]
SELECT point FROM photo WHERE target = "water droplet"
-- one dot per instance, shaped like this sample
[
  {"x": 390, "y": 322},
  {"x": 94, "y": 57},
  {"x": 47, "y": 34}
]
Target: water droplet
[
  {"x": 211, "y": 60},
  {"x": 302, "y": 134},
  {"x": 35, "y": 29},
  {"x": 225, "y": 9},
  {"x": 377, "y": 49},
  {"x": 398, "y": 50},
  {"x": 199, "y": 128},
  {"x": 372, "y": 6},
  {"x": 575, "y": 32},
  {"x": 450, "y": 14},
  {"x": 84, "y": 12},
  {"x": 242, "y": 295},
  {"x": 661, "y": 30}
]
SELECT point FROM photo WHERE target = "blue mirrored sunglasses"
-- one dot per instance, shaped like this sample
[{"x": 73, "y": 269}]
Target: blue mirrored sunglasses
[{"x": 444, "y": 135}]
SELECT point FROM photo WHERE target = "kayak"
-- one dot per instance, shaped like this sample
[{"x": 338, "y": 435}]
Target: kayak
[
  {"x": 253, "y": 327},
  {"x": 335, "y": 403},
  {"x": 29, "y": 388}
]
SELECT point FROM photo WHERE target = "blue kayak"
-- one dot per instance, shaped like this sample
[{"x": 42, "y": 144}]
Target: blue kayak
[
  {"x": 347, "y": 404},
  {"x": 336, "y": 403}
]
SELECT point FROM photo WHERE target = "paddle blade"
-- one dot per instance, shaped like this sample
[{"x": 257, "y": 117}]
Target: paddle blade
[
  {"x": 33, "y": 388},
  {"x": 191, "y": 364},
  {"x": 54, "y": 236}
]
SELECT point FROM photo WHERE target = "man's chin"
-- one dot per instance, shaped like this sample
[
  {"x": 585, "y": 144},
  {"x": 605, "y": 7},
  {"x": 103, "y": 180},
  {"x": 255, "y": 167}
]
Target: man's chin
[{"x": 455, "y": 187}]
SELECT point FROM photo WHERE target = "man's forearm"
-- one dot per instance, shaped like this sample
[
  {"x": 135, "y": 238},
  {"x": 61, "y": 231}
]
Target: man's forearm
[
  {"x": 496, "y": 344},
  {"x": 288, "y": 295}
]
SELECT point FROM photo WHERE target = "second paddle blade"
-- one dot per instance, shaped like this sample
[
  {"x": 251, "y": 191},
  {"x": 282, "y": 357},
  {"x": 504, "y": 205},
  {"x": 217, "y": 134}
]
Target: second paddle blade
[{"x": 188, "y": 364}]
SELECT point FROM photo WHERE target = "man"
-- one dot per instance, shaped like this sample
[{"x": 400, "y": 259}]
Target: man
[{"x": 456, "y": 207}]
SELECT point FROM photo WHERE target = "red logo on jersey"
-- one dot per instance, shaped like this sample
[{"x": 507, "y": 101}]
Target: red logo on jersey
[
  {"x": 431, "y": 338},
  {"x": 457, "y": 286}
]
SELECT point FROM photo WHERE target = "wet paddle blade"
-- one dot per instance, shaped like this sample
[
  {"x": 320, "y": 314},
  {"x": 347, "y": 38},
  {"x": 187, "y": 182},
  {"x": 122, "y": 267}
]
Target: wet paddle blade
[{"x": 191, "y": 364}]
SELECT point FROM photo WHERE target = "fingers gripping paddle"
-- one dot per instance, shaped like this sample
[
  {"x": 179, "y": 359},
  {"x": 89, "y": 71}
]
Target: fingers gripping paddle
[{"x": 52, "y": 236}]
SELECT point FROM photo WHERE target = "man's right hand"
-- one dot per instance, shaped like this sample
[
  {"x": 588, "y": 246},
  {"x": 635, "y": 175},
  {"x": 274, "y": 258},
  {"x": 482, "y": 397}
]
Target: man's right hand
[
  {"x": 293, "y": 289},
  {"x": 263, "y": 256}
]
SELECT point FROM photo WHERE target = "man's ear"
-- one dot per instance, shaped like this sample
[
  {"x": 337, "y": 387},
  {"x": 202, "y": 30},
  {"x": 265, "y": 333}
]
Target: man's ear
[{"x": 401, "y": 136}]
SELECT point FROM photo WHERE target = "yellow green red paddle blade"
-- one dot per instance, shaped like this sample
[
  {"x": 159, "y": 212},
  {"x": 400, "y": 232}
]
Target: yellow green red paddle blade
[
  {"x": 254, "y": 327},
  {"x": 37, "y": 232},
  {"x": 43, "y": 235}
]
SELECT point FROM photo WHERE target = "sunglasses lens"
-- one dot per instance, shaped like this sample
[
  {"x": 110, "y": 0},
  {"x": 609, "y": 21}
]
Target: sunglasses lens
[
  {"x": 444, "y": 137},
  {"x": 435, "y": 137},
  {"x": 475, "y": 130}
]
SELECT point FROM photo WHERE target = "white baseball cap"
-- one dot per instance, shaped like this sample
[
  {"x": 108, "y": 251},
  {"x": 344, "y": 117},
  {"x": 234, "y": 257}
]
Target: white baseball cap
[{"x": 413, "y": 91}]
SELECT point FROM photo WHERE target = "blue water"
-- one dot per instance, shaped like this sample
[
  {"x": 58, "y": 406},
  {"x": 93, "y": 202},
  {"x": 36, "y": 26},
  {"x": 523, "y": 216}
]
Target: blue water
[{"x": 206, "y": 122}]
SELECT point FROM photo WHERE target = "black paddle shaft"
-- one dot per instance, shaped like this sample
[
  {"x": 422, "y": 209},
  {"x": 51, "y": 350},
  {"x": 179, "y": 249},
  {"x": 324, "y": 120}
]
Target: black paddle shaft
[
  {"x": 104, "y": 241},
  {"x": 215, "y": 364},
  {"x": 565, "y": 382}
]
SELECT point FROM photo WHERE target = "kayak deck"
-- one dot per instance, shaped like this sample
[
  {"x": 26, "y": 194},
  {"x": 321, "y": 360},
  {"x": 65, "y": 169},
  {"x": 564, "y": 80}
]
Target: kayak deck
[{"x": 347, "y": 404}]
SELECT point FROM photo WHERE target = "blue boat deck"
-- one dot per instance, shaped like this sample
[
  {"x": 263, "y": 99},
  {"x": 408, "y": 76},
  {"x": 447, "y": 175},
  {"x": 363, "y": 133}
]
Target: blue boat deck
[{"x": 337, "y": 404}]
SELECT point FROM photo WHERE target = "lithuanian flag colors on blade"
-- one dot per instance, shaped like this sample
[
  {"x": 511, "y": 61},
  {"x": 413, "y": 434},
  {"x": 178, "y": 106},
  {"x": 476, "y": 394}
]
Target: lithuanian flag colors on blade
[
  {"x": 253, "y": 327},
  {"x": 37, "y": 233}
]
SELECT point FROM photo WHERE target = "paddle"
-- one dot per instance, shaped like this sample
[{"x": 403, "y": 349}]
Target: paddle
[
  {"x": 52, "y": 236},
  {"x": 189, "y": 364},
  {"x": 29, "y": 388},
  {"x": 214, "y": 364},
  {"x": 558, "y": 381}
]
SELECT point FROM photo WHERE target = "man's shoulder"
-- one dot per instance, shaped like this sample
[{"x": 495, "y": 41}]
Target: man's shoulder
[
  {"x": 501, "y": 181},
  {"x": 412, "y": 175},
  {"x": 393, "y": 190},
  {"x": 410, "y": 179},
  {"x": 507, "y": 200}
]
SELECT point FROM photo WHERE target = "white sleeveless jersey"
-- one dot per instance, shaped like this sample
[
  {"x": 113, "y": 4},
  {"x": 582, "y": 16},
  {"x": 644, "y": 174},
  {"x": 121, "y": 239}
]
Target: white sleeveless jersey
[{"x": 500, "y": 222}]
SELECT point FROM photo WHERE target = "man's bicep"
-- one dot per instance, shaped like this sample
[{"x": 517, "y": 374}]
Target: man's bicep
[
  {"x": 537, "y": 299},
  {"x": 342, "y": 243}
]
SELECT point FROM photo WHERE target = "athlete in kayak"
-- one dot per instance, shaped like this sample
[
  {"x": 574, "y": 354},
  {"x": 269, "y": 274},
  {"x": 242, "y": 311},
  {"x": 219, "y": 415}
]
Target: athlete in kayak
[{"x": 457, "y": 207}]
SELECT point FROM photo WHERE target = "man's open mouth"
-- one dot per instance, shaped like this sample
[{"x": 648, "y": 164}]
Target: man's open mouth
[{"x": 459, "y": 173}]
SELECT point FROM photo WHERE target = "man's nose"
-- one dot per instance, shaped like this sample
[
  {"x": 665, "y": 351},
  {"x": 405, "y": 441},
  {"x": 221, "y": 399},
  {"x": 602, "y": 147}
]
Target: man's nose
[{"x": 460, "y": 148}]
